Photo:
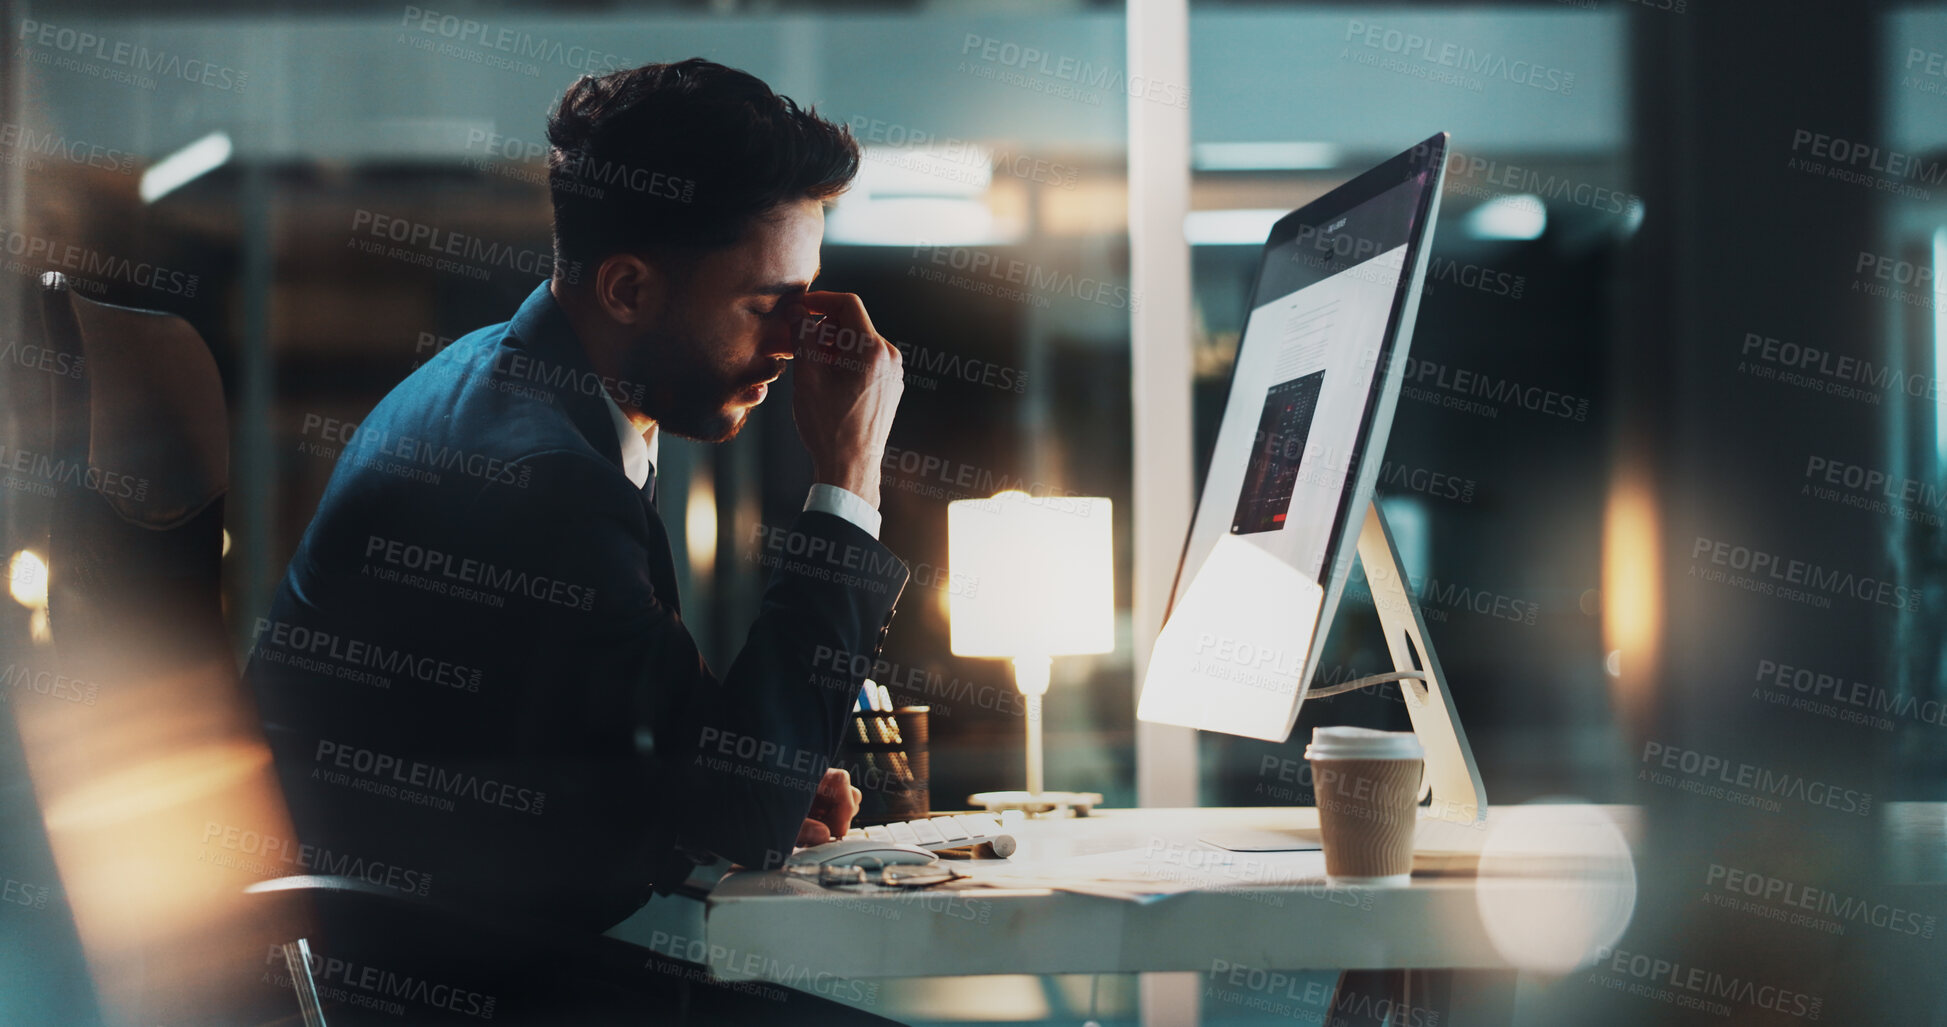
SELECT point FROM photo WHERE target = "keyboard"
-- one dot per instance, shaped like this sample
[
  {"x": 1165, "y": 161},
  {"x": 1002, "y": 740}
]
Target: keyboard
[{"x": 950, "y": 832}]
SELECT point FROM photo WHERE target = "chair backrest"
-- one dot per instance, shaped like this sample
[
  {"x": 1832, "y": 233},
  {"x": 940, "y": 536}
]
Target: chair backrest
[
  {"x": 158, "y": 793},
  {"x": 144, "y": 435}
]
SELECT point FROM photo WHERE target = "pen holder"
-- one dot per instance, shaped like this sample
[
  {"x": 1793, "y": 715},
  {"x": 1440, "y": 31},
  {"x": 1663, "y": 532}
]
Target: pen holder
[{"x": 888, "y": 763}]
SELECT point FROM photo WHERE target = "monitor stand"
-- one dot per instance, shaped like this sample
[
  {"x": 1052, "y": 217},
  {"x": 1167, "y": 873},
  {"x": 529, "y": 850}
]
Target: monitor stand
[{"x": 1455, "y": 781}]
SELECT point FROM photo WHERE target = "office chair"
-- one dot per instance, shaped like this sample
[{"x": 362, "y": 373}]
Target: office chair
[
  {"x": 135, "y": 607},
  {"x": 166, "y": 743}
]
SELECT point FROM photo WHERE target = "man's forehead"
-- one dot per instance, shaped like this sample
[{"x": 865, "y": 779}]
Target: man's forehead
[{"x": 783, "y": 252}]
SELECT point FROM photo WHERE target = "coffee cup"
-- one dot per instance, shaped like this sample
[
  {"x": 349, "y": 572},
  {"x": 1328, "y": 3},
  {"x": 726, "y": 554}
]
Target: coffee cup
[{"x": 1367, "y": 787}]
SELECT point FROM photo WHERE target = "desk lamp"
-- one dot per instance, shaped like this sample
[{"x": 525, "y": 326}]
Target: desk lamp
[{"x": 1038, "y": 580}]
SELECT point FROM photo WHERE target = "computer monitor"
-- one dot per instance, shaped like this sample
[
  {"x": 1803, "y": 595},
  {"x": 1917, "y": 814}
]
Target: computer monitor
[{"x": 1285, "y": 503}]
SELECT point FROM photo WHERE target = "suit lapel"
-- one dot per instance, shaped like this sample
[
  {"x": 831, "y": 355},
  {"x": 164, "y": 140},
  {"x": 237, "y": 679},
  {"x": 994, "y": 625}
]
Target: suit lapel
[{"x": 662, "y": 564}]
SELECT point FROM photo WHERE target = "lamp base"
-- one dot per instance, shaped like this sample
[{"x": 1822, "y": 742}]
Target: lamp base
[{"x": 1075, "y": 803}]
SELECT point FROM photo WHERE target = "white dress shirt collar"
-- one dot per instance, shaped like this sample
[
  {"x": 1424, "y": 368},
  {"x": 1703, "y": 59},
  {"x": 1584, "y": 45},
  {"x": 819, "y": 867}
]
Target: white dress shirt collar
[{"x": 639, "y": 455}]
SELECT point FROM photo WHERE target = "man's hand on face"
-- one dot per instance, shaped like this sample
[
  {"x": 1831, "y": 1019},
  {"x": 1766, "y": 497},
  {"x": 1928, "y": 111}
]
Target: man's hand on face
[
  {"x": 832, "y": 809},
  {"x": 849, "y": 381}
]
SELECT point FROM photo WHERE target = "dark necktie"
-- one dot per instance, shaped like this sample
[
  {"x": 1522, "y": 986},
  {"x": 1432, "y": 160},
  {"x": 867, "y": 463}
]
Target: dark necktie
[{"x": 662, "y": 565}]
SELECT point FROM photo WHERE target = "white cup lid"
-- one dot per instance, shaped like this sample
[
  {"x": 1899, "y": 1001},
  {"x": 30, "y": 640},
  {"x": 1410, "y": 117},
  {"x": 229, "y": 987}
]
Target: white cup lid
[{"x": 1363, "y": 743}]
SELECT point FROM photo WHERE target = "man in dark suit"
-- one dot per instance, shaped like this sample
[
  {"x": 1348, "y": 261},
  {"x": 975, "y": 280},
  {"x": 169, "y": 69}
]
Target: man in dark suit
[{"x": 476, "y": 674}]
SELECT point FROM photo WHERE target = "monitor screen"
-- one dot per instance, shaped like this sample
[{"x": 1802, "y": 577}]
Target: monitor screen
[{"x": 1311, "y": 400}]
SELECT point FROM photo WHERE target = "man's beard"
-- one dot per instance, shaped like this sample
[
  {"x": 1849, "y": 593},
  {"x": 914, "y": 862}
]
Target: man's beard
[{"x": 686, "y": 395}]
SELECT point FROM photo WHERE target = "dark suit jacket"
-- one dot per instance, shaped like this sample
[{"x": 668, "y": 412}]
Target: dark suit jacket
[{"x": 475, "y": 674}]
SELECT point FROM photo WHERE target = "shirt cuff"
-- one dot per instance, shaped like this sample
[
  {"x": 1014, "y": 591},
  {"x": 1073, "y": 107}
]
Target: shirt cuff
[{"x": 843, "y": 503}]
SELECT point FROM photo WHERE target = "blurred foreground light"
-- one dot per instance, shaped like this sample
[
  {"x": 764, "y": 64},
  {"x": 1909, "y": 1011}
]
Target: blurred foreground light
[
  {"x": 185, "y": 166},
  {"x": 226, "y": 542},
  {"x": 1613, "y": 663},
  {"x": 27, "y": 579},
  {"x": 1247, "y": 227},
  {"x": 136, "y": 785},
  {"x": 1264, "y": 156},
  {"x": 155, "y": 788},
  {"x": 1557, "y": 885},
  {"x": 37, "y": 626},
  {"x": 1522, "y": 216}
]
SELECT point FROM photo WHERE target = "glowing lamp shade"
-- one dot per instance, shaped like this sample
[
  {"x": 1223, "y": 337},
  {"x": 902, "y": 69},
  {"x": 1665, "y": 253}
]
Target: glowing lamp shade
[{"x": 1034, "y": 577}]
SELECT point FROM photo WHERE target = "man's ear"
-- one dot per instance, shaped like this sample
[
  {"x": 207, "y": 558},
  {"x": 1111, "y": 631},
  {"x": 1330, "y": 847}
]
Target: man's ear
[{"x": 629, "y": 289}]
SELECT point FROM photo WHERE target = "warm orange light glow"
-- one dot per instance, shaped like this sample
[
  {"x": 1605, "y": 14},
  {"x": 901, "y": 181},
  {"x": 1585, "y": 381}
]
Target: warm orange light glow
[
  {"x": 1632, "y": 590},
  {"x": 700, "y": 524}
]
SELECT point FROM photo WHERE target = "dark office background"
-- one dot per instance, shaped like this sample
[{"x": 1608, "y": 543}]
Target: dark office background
[{"x": 1613, "y": 245}]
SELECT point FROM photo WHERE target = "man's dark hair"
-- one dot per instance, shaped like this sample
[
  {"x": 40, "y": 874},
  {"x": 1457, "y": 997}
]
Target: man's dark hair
[{"x": 682, "y": 156}]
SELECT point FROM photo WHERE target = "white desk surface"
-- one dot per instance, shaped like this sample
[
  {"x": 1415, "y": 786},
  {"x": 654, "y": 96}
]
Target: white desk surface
[{"x": 769, "y": 925}]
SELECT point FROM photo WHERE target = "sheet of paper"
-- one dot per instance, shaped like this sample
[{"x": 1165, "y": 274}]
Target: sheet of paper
[{"x": 1153, "y": 873}]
